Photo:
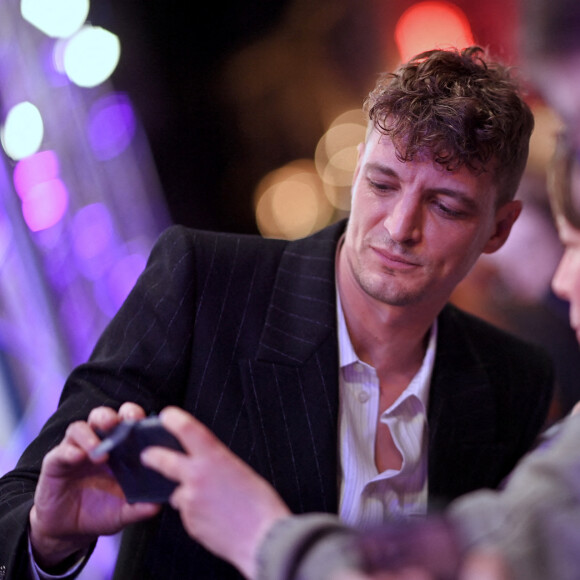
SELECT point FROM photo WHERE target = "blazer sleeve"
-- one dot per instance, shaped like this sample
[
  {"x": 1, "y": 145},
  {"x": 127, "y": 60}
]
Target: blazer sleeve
[{"x": 142, "y": 356}]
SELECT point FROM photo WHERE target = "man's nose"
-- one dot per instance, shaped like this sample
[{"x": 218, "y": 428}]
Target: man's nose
[
  {"x": 563, "y": 277},
  {"x": 404, "y": 221}
]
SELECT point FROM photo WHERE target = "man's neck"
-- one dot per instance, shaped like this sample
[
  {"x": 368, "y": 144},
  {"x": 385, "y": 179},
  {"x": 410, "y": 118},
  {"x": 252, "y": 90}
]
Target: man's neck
[{"x": 392, "y": 339}]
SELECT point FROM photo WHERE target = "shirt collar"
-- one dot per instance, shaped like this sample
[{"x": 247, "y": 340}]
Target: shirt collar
[{"x": 419, "y": 385}]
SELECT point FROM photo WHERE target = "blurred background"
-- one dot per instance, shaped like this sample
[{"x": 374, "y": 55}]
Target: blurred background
[{"x": 120, "y": 118}]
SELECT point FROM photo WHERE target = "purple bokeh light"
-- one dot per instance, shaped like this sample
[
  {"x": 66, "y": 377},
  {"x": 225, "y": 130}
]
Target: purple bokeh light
[
  {"x": 112, "y": 289},
  {"x": 35, "y": 169},
  {"x": 92, "y": 240},
  {"x": 44, "y": 196},
  {"x": 45, "y": 204},
  {"x": 111, "y": 126}
]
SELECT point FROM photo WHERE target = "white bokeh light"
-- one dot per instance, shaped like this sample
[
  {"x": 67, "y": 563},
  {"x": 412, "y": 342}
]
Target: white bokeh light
[
  {"x": 23, "y": 131},
  {"x": 91, "y": 56},
  {"x": 56, "y": 18}
]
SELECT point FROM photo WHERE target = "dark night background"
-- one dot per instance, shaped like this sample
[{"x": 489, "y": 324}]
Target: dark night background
[
  {"x": 228, "y": 91},
  {"x": 172, "y": 57}
]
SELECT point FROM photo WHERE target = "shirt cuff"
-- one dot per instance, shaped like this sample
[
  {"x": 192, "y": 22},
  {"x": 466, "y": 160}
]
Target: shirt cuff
[
  {"x": 305, "y": 546},
  {"x": 38, "y": 574}
]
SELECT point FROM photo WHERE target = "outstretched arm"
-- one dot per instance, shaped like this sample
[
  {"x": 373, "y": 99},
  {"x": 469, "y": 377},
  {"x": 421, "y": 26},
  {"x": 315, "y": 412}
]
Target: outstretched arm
[{"x": 223, "y": 503}]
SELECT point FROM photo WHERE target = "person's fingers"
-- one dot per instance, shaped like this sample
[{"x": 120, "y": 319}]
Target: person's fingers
[
  {"x": 105, "y": 418},
  {"x": 101, "y": 420},
  {"x": 131, "y": 513},
  {"x": 67, "y": 453},
  {"x": 80, "y": 436},
  {"x": 484, "y": 564},
  {"x": 173, "y": 464},
  {"x": 166, "y": 461},
  {"x": 131, "y": 412},
  {"x": 193, "y": 435}
]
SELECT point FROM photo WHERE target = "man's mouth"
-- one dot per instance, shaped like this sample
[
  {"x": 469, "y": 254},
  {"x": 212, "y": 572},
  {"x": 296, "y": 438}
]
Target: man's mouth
[{"x": 394, "y": 260}]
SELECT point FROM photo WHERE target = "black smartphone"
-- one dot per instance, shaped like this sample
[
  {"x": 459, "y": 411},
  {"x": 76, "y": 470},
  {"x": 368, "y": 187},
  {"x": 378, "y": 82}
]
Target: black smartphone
[{"x": 124, "y": 444}]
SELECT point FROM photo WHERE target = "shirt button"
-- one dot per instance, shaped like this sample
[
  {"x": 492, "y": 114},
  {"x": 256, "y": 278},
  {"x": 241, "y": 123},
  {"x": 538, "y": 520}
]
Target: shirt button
[
  {"x": 363, "y": 397},
  {"x": 358, "y": 367}
]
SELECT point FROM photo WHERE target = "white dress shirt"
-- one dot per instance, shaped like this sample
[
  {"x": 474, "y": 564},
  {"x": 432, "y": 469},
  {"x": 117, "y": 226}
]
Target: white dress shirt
[{"x": 366, "y": 496}]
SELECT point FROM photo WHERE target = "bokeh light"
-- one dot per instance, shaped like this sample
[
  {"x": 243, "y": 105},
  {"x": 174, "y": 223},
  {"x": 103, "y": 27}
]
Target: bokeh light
[
  {"x": 111, "y": 126},
  {"x": 336, "y": 156},
  {"x": 123, "y": 276},
  {"x": 431, "y": 24},
  {"x": 23, "y": 131},
  {"x": 290, "y": 202},
  {"x": 111, "y": 289},
  {"x": 306, "y": 195},
  {"x": 55, "y": 18},
  {"x": 5, "y": 236},
  {"x": 44, "y": 196},
  {"x": 35, "y": 169},
  {"x": 45, "y": 205},
  {"x": 90, "y": 56},
  {"x": 92, "y": 239}
]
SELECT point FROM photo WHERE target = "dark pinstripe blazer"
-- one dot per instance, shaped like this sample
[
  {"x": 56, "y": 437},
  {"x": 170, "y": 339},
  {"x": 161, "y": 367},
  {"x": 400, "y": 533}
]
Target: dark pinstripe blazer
[{"x": 241, "y": 332}]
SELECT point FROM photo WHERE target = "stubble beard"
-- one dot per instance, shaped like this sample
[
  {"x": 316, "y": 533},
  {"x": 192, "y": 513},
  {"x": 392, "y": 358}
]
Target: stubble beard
[{"x": 389, "y": 288}]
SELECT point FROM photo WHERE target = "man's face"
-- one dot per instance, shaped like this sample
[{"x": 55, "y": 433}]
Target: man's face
[
  {"x": 566, "y": 281},
  {"x": 416, "y": 229}
]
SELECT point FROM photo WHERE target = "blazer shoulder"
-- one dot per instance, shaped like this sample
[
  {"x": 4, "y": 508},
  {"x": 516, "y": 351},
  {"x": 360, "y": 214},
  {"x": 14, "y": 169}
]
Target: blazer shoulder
[
  {"x": 223, "y": 249},
  {"x": 177, "y": 232},
  {"x": 517, "y": 369},
  {"x": 179, "y": 237},
  {"x": 199, "y": 250},
  {"x": 490, "y": 341}
]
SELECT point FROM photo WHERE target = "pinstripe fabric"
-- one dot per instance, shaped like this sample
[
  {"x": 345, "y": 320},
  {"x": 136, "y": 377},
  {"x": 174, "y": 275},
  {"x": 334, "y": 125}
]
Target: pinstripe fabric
[{"x": 241, "y": 331}]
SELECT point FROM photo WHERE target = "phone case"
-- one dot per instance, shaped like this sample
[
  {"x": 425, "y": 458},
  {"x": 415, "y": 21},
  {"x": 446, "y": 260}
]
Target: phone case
[{"x": 124, "y": 445}]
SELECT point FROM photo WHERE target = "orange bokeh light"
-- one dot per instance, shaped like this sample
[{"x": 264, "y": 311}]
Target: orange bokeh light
[{"x": 431, "y": 24}]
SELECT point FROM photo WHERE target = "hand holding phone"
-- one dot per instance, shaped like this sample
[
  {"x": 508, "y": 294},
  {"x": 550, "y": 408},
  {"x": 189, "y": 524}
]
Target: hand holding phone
[{"x": 124, "y": 445}]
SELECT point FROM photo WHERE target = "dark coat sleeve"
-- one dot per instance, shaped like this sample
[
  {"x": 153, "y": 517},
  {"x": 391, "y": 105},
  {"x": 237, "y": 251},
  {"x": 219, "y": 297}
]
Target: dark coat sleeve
[
  {"x": 110, "y": 378},
  {"x": 144, "y": 355}
]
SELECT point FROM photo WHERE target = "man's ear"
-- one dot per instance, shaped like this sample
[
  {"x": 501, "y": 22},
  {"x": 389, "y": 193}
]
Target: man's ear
[{"x": 505, "y": 217}]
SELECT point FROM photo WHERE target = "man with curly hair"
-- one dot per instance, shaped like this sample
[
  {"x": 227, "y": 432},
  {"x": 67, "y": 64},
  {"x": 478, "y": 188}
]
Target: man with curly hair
[{"x": 333, "y": 366}]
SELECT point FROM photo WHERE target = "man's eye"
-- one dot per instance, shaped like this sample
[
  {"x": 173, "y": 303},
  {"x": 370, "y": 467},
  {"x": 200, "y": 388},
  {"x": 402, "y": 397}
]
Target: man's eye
[
  {"x": 381, "y": 187},
  {"x": 449, "y": 211}
]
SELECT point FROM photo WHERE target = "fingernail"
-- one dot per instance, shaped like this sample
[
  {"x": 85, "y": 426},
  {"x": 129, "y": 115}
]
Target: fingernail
[{"x": 144, "y": 456}]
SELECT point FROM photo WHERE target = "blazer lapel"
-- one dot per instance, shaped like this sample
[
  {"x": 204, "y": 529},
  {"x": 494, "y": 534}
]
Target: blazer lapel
[
  {"x": 302, "y": 311},
  {"x": 293, "y": 382},
  {"x": 462, "y": 416},
  {"x": 292, "y": 390}
]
